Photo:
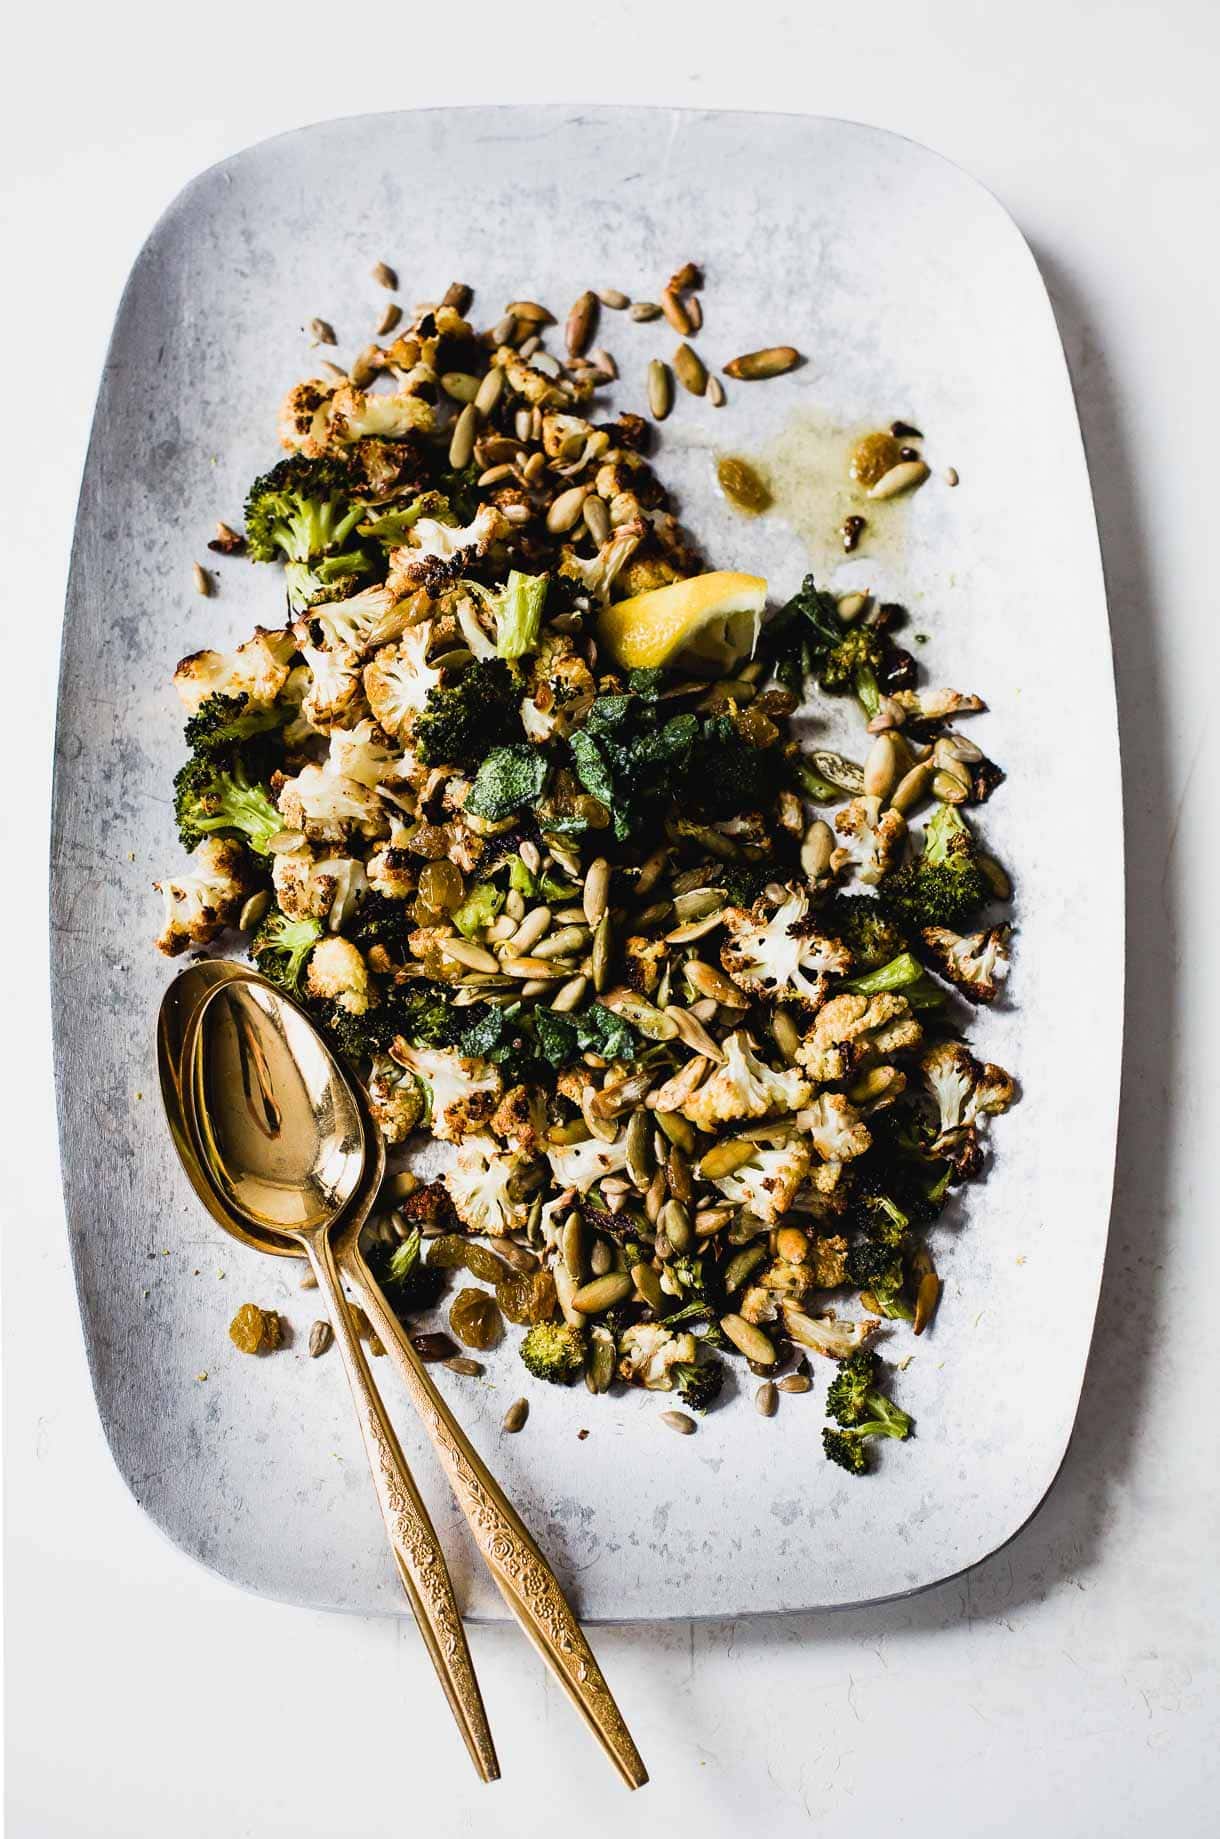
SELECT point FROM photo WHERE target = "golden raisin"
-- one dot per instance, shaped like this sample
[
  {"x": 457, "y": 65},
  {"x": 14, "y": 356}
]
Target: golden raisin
[
  {"x": 475, "y": 1318},
  {"x": 872, "y": 457},
  {"x": 482, "y": 1263},
  {"x": 254, "y": 1330},
  {"x": 448, "y": 1253},
  {"x": 441, "y": 886},
  {"x": 742, "y": 486},
  {"x": 527, "y": 1298}
]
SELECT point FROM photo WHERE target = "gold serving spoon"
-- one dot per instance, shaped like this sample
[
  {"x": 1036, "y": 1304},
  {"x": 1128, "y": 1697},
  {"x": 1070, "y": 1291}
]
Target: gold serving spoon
[
  {"x": 278, "y": 1135},
  {"x": 522, "y": 1573}
]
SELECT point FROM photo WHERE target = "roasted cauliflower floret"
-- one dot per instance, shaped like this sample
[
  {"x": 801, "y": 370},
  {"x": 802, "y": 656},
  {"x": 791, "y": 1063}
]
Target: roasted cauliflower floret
[
  {"x": 965, "y": 1091},
  {"x": 397, "y": 680},
  {"x": 744, "y": 1087},
  {"x": 560, "y": 689},
  {"x": 395, "y": 1099},
  {"x": 643, "y": 962},
  {"x": 362, "y": 754},
  {"x": 205, "y": 900},
  {"x": 304, "y": 419},
  {"x": 837, "y": 1340},
  {"x": 977, "y": 963},
  {"x": 392, "y": 872},
  {"x": 334, "y": 693},
  {"x": 257, "y": 670},
  {"x": 520, "y": 1117},
  {"x": 598, "y": 576},
  {"x": 463, "y": 1093},
  {"x": 326, "y": 888},
  {"x": 853, "y": 1032},
  {"x": 835, "y": 1128},
  {"x": 876, "y": 842},
  {"x": 934, "y": 705},
  {"x": 359, "y": 624},
  {"x": 767, "y": 1184},
  {"x": 781, "y": 952},
  {"x": 484, "y": 1182},
  {"x": 354, "y": 415},
  {"x": 579, "y": 1165},
  {"x": 328, "y": 808},
  {"x": 648, "y": 1354},
  {"x": 337, "y": 973},
  {"x": 828, "y": 1261},
  {"x": 455, "y": 547}
]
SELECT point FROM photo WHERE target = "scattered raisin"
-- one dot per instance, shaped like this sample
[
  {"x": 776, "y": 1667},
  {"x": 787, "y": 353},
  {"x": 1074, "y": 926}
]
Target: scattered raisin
[
  {"x": 528, "y": 1298},
  {"x": 254, "y": 1330},
  {"x": 475, "y": 1319}
]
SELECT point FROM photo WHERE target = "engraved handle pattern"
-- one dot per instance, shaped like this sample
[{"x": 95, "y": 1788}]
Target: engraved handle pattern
[
  {"x": 417, "y": 1550},
  {"x": 525, "y": 1578}
]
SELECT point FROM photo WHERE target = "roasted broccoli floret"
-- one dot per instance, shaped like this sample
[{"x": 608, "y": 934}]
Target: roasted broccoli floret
[
  {"x": 854, "y": 1401},
  {"x": 871, "y": 935},
  {"x": 878, "y": 1268},
  {"x": 807, "y": 636},
  {"x": 944, "y": 886},
  {"x": 845, "y": 1448},
  {"x": 461, "y": 722},
  {"x": 301, "y": 510},
  {"x": 222, "y": 723},
  {"x": 554, "y": 1351},
  {"x": 210, "y": 797},
  {"x": 699, "y": 1384},
  {"x": 356, "y": 1037},
  {"x": 407, "y": 1283},
  {"x": 281, "y": 947}
]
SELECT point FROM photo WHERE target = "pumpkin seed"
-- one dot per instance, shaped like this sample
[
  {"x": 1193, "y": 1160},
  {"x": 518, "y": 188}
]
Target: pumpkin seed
[
  {"x": 639, "y": 1149},
  {"x": 693, "y": 1034},
  {"x": 601, "y": 954},
  {"x": 995, "y": 877},
  {"x": 673, "y": 1128},
  {"x": 710, "y": 1219},
  {"x": 533, "y": 927},
  {"x": 581, "y": 320},
  {"x": 474, "y": 957},
  {"x": 912, "y": 787},
  {"x": 597, "y": 519},
  {"x": 461, "y": 443},
  {"x": 645, "y": 309},
  {"x": 530, "y": 311},
  {"x": 926, "y": 1298},
  {"x": 785, "y": 1034},
  {"x": 675, "y": 1092},
  {"x": 748, "y": 1340},
  {"x": 286, "y": 842},
  {"x": 515, "y": 1416},
  {"x": 817, "y": 849},
  {"x": 565, "y": 1290},
  {"x": 572, "y": 1246},
  {"x": 771, "y": 361},
  {"x": 697, "y": 929},
  {"x": 365, "y": 366},
  {"x": 675, "y": 1223},
  {"x": 905, "y": 477},
  {"x": 323, "y": 332},
  {"x": 949, "y": 789},
  {"x": 489, "y": 391},
  {"x": 596, "y": 894},
  {"x": 320, "y": 1337},
  {"x": 660, "y": 389},
  {"x": 791, "y": 1245},
  {"x": 384, "y": 276},
  {"x": 253, "y": 911},
  {"x": 460, "y": 387},
  {"x": 710, "y": 982},
  {"x": 740, "y": 1266},
  {"x": 880, "y": 768},
  {"x": 691, "y": 370},
  {"x": 599, "y": 1373},
  {"x": 766, "y": 1399},
  {"x": 648, "y": 1286},
  {"x": 603, "y": 1293},
  {"x": 723, "y": 1157},
  {"x": 679, "y": 1421},
  {"x": 571, "y": 995},
  {"x": 528, "y": 969}
]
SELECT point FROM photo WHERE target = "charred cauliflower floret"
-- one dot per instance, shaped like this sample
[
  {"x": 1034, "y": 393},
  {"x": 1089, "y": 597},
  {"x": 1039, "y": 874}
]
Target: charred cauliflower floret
[
  {"x": 355, "y": 415},
  {"x": 965, "y": 1091},
  {"x": 828, "y": 1261},
  {"x": 257, "y": 670},
  {"x": 439, "y": 552},
  {"x": 337, "y": 973},
  {"x": 744, "y": 1087},
  {"x": 484, "y": 1182},
  {"x": 395, "y": 1099},
  {"x": 835, "y": 1128},
  {"x": 326, "y": 888},
  {"x": 643, "y": 962},
  {"x": 209, "y": 897},
  {"x": 977, "y": 963},
  {"x": 397, "y": 681},
  {"x": 781, "y": 952},
  {"x": 853, "y": 1032},
  {"x": 648, "y": 1354},
  {"x": 392, "y": 872},
  {"x": 304, "y": 419},
  {"x": 824, "y": 1334},
  {"x": 363, "y": 754},
  {"x": 560, "y": 690},
  {"x": 327, "y": 807},
  {"x": 334, "y": 696},
  {"x": 520, "y": 1117},
  {"x": 767, "y": 1184},
  {"x": 876, "y": 842},
  {"x": 463, "y": 1093},
  {"x": 598, "y": 575},
  {"x": 359, "y": 624},
  {"x": 579, "y": 1165}
]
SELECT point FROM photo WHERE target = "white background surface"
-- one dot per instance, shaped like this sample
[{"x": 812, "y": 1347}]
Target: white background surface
[{"x": 1068, "y": 1684}]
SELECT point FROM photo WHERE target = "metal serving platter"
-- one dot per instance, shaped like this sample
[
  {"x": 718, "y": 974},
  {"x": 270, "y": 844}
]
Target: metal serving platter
[{"x": 912, "y": 294}]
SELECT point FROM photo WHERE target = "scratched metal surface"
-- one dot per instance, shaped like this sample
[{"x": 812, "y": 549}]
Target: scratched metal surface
[{"x": 912, "y": 293}]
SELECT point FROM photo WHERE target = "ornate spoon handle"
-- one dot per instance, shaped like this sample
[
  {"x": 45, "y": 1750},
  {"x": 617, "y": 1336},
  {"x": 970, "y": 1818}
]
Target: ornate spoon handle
[
  {"x": 417, "y": 1551},
  {"x": 526, "y": 1580}
]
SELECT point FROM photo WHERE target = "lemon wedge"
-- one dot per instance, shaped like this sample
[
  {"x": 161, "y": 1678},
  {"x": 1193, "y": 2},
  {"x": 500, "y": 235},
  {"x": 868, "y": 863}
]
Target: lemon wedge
[{"x": 708, "y": 622}]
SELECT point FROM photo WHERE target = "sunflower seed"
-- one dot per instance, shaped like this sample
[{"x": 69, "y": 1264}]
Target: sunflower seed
[
  {"x": 612, "y": 298},
  {"x": 532, "y": 928},
  {"x": 286, "y": 842},
  {"x": 766, "y": 1399},
  {"x": 710, "y": 1219},
  {"x": 566, "y": 942},
  {"x": 320, "y": 1337},
  {"x": 384, "y": 276},
  {"x": 572, "y": 1247},
  {"x": 905, "y": 477},
  {"x": 460, "y": 1363},
  {"x": 202, "y": 579},
  {"x": 949, "y": 789},
  {"x": 675, "y": 1092},
  {"x": 366, "y": 365},
  {"x": 715, "y": 392},
  {"x": 253, "y": 911},
  {"x": 795, "y": 1382},
  {"x": 694, "y": 312},
  {"x": 693, "y": 1034},
  {"x": 474, "y": 957},
  {"x": 851, "y": 606},
  {"x": 504, "y": 331},
  {"x": 599, "y": 1373},
  {"x": 691, "y": 370},
  {"x": 674, "y": 309},
  {"x": 602, "y": 361},
  {"x": 489, "y": 391},
  {"x": 771, "y": 361},
  {"x": 696, "y": 929},
  {"x": 660, "y": 389},
  {"x": 515, "y": 1416},
  {"x": 679, "y": 1421},
  {"x": 722, "y": 1158},
  {"x": 603, "y": 1293},
  {"x": 460, "y": 387},
  {"x": 951, "y": 475},
  {"x": 648, "y": 1285},
  {"x": 995, "y": 877},
  {"x": 323, "y": 332},
  {"x": 565, "y": 512},
  {"x": 748, "y": 1340},
  {"x": 389, "y": 318},
  {"x": 461, "y": 444},
  {"x": 645, "y": 309}
]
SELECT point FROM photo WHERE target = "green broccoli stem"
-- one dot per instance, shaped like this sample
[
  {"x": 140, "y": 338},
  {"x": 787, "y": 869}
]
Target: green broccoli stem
[{"x": 519, "y": 614}]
